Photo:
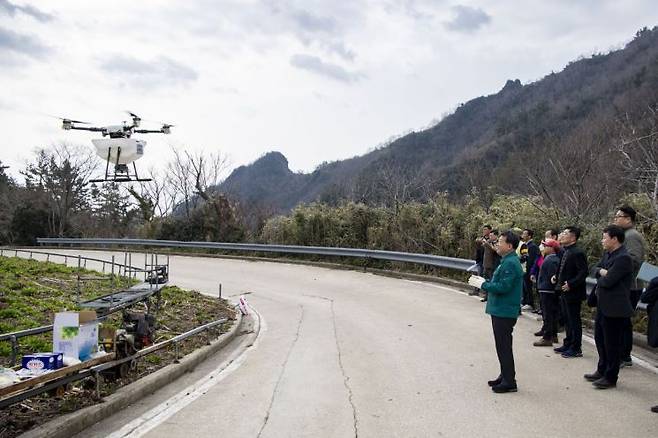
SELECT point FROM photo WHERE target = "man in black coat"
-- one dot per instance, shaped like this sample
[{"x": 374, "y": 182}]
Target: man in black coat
[
  {"x": 570, "y": 283},
  {"x": 614, "y": 274},
  {"x": 650, "y": 297}
]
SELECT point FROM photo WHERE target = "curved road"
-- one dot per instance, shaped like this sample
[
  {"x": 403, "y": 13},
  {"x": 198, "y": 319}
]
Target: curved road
[{"x": 344, "y": 353}]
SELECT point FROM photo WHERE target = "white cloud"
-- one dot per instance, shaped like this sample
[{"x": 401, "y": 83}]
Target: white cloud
[
  {"x": 467, "y": 19},
  {"x": 12, "y": 43},
  {"x": 153, "y": 73},
  {"x": 318, "y": 66},
  {"x": 12, "y": 9}
]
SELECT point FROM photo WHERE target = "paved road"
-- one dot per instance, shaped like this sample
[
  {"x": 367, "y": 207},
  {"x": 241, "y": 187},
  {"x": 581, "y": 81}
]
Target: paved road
[{"x": 343, "y": 353}]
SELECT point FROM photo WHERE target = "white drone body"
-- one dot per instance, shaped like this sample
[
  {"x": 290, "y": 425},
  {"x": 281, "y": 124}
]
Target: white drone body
[{"x": 119, "y": 149}]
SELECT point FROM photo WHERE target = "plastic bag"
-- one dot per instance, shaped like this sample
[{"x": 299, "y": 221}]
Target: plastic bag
[{"x": 8, "y": 377}]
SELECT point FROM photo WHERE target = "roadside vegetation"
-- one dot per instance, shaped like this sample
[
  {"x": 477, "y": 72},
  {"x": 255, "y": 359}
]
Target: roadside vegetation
[{"x": 31, "y": 292}]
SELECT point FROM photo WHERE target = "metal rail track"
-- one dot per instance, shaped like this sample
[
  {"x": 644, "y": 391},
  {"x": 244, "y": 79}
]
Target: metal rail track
[
  {"x": 124, "y": 268},
  {"x": 96, "y": 370}
]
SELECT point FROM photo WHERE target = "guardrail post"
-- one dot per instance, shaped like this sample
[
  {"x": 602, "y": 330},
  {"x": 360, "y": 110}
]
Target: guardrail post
[
  {"x": 176, "y": 353},
  {"x": 30, "y": 255},
  {"x": 207, "y": 330},
  {"x": 48, "y": 257},
  {"x": 98, "y": 380},
  {"x": 14, "y": 350},
  {"x": 220, "y": 291},
  {"x": 78, "y": 287}
]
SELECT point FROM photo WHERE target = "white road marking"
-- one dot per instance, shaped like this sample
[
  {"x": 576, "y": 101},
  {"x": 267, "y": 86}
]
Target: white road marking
[{"x": 159, "y": 414}]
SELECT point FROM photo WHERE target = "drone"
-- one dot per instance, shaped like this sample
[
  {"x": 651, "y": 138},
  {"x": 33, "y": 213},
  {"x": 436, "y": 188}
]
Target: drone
[{"x": 119, "y": 149}]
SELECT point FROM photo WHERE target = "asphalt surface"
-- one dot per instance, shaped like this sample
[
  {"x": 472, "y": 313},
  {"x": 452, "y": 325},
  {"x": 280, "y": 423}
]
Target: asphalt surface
[{"x": 342, "y": 353}]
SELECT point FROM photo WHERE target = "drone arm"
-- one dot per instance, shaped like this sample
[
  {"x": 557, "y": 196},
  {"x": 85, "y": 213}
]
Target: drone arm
[
  {"x": 82, "y": 128},
  {"x": 149, "y": 131}
]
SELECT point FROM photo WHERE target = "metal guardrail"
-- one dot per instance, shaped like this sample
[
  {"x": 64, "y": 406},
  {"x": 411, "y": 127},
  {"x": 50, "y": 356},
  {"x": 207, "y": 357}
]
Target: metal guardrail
[
  {"x": 425, "y": 259},
  {"x": 96, "y": 370}
]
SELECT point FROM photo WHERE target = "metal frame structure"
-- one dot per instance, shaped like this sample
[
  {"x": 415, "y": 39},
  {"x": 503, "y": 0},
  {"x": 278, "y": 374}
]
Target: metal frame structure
[
  {"x": 140, "y": 292},
  {"x": 95, "y": 371}
]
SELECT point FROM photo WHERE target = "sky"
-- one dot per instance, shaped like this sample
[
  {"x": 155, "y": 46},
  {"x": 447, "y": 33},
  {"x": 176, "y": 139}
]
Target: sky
[{"x": 316, "y": 80}]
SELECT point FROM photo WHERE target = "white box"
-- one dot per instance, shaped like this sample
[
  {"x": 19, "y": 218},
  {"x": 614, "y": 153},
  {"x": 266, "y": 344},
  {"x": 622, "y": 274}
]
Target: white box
[{"x": 76, "y": 334}]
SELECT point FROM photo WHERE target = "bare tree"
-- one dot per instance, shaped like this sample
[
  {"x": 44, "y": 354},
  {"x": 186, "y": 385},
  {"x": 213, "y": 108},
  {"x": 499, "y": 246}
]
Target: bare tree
[
  {"x": 637, "y": 146},
  {"x": 181, "y": 181},
  {"x": 207, "y": 171},
  {"x": 391, "y": 185},
  {"x": 577, "y": 177},
  {"x": 155, "y": 198}
]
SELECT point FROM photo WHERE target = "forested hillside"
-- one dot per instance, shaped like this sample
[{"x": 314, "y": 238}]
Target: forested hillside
[{"x": 502, "y": 142}]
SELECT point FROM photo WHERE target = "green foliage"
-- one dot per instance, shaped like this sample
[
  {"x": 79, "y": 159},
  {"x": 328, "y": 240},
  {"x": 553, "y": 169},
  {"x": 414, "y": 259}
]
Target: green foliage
[
  {"x": 27, "y": 223},
  {"x": 439, "y": 226}
]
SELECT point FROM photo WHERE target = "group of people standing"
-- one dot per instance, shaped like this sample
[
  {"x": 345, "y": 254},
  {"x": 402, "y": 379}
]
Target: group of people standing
[{"x": 513, "y": 269}]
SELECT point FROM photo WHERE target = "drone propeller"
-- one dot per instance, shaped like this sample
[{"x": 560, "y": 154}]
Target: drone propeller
[
  {"x": 67, "y": 120},
  {"x": 136, "y": 118},
  {"x": 75, "y": 121}
]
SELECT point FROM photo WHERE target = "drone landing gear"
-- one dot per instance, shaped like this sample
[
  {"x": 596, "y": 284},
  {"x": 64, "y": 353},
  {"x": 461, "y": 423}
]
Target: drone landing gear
[{"x": 121, "y": 171}]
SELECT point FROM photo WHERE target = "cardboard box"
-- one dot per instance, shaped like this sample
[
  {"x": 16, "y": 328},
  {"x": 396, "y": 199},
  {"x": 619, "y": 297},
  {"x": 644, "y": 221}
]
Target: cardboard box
[
  {"x": 42, "y": 361},
  {"x": 75, "y": 334}
]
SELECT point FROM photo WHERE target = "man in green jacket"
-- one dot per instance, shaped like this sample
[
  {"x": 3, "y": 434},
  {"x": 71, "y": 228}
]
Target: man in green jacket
[{"x": 504, "y": 305}]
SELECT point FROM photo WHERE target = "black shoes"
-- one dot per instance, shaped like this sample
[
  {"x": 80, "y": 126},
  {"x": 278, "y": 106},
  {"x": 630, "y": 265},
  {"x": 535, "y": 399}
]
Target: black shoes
[
  {"x": 626, "y": 363},
  {"x": 539, "y": 333},
  {"x": 561, "y": 349},
  {"x": 504, "y": 387},
  {"x": 497, "y": 381},
  {"x": 654, "y": 409},
  {"x": 604, "y": 383},
  {"x": 572, "y": 353},
  {"x": 592, "y": 377}
]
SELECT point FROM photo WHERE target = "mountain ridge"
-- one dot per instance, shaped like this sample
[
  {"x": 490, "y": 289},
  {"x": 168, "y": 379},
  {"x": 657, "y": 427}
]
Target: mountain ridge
[{"x": 477, "y": 145}]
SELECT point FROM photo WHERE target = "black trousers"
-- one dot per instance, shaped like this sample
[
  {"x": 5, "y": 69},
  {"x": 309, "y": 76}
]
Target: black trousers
[
  {"x": 608, "y": 334},
  {"x": 628, "y": 327},
  {"x": 573, "y": 323},
  {"x": 528, "y": 293},
  {"x": 550, "y": 305},
  {"x": 502, "y": 330}
]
